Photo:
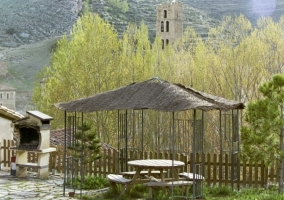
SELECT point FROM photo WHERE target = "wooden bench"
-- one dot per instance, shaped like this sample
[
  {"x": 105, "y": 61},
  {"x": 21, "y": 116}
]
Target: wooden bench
[
  {"x": 169, "y": 184},
  {"x": 198, "y": 179},
  {"x": 115, "y": 179},
  {"x": 130, "y": 174},
  {"x": 189, "y": 176}
]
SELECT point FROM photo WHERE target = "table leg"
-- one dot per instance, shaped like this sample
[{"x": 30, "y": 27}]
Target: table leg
[
  {"x": 151, "y": 192},
  {"x": 149, "y": 172},
  {"x": 162, "y": 175},
  {"x": 136, "y": 176},
  {"x": 176, "y": 174}
]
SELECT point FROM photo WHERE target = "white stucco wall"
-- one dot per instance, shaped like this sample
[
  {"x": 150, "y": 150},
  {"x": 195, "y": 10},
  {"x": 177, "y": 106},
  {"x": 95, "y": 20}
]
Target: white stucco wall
[
  {"x": 6, "y": 129},
  {"x": 6, "y": 132}
]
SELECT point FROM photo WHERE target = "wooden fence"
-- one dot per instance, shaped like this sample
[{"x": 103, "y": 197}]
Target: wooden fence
[{"x": 217, "y": 168}]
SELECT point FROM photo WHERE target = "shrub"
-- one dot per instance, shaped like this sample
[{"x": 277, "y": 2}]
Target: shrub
[
  {"x": 111, "y": 193},
  {"x": 219, "y": 191},
  {"x": 53, "y": 47},
  {"x": 90, "y": 183},
  {"x": 138, "y": 191},
  {"x": 11, "y": 31}
]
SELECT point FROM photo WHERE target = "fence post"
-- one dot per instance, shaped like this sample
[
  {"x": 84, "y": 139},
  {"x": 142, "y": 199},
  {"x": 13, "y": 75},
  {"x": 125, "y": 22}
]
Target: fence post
[
  {"x": 244, "y": 174},
  {"x": 215, "y": 169},
  {"x": 263, "y": 178},
  {"x": 1, "y": 151},
  {"x": 5, "y": 153},
  {"x": 116, "y": 162},
  {"x": 109, "y": 160},
  {"x": 250, "y": 173},
  {"x": 256, "y": 181},
  {"x": 220, "y": 169},
  {"x": 104, "y": 163},
  {"x": 208, "y": 169}
]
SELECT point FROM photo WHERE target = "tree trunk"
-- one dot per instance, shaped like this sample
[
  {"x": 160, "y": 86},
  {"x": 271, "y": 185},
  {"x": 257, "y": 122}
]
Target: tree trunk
[{"x": 280, "y": 188}]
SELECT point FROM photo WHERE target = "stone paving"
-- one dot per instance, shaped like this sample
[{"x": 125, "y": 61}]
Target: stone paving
[{"x": 31, "y": 187}]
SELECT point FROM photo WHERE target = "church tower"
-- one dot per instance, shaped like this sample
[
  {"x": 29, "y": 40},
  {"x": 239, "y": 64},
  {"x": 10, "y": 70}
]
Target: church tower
[{"x": 169, "y": 22}]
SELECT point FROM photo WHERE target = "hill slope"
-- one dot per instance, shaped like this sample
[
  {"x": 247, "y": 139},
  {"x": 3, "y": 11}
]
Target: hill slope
[
  {"x": 30, "y": 27},
  {"x": 20, "y": 65}
]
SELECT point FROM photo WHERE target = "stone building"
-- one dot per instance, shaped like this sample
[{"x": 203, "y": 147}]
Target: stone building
[
  {"x": 169, "y": 23},
  {"x": 8, "y": 97}
]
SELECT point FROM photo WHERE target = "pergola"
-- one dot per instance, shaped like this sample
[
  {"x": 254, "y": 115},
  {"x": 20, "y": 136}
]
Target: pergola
[{"x": 170, "y": 99}]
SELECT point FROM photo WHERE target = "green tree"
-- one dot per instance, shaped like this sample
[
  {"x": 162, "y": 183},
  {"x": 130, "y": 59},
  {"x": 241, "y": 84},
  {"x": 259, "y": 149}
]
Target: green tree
[
  {"x": 262, "y": 136},
  {"x": 86, "y": 146},
  {"x": 185, "y": 54},
  {"x": 93, "y": 60},
  {"x": 122, "y": 5},
  {"x": 82, "y": 65},
  {"x": 231, "y": 31},
  {"x": 136, "y": 54},
  {"x": 238, "y": 60},
  {"x": 271, "y": 34}
]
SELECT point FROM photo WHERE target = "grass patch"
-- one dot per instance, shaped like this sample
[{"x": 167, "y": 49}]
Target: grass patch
[
  {"x": 25, "y": 62},
  {"x": 218, "y": 191},
  {"x": 210, "y": 193},
  {"x": 90, "y": 183},
  {"x": 226, "y": 193}
]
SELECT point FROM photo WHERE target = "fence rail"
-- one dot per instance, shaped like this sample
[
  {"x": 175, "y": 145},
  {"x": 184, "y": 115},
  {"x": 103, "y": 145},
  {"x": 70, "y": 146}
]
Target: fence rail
[{"x": 217, "y": 168}]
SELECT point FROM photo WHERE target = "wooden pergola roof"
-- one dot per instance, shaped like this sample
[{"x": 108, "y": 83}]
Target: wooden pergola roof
[{"x": 155, "y": 94}]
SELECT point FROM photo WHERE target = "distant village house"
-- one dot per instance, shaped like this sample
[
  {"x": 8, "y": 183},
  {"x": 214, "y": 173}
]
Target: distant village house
[{"x": 8, "y": 97}]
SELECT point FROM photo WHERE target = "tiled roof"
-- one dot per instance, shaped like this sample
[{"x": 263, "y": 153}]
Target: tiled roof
[
  {"x": 10, "y": 114},
  {"x": 5, "y": 88},
  {"x": 57, "y": 137}
]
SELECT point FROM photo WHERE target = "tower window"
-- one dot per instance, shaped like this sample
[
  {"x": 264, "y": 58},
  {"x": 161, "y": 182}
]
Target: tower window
[
  {"x": 163, "y": 44},
  {"x": 162, "y": 26},
  {"x": 167, "y": 26},
  {"x": 7, "y": 95},
  {"x": 165, "y": 14},
  {"x": 1, "y": 96},
  {"x": 167, "y": 41}
]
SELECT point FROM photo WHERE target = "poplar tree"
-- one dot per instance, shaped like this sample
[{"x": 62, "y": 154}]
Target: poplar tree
[
  {"x": 271, "y": 33},
  {"x": 83, "y": 64}
]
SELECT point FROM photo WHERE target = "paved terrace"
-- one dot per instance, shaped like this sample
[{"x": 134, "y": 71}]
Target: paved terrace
[{"x": 31, "y": 187}]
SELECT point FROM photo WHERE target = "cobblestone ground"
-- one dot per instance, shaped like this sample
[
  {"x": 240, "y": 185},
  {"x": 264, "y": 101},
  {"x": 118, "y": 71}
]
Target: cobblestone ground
[{"x": 31, "y": 187}]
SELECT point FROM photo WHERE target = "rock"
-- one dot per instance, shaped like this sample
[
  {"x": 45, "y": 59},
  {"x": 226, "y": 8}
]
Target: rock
[
  {"x": 25, "y": 35},
  {"x": 10, "y": 44}
]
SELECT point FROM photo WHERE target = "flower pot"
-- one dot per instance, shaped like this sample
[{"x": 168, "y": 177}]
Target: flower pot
[{"x": 71, "y": 194}]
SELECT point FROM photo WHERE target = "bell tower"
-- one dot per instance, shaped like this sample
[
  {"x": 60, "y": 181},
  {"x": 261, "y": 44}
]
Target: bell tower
[{"x": 169, "y": 22}]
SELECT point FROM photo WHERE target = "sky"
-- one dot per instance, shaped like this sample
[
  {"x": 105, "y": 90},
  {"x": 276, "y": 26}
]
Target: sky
[
  {"x": 252, "y": 9},
  {"x": 263, "y": 8}
]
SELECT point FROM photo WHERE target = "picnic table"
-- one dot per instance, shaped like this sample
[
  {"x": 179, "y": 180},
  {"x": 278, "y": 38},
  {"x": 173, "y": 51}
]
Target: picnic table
[
  {"x": 151, "y": 165},
  {"x": 158, "y": 165},
  {"x": 154, "y": 164}
]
